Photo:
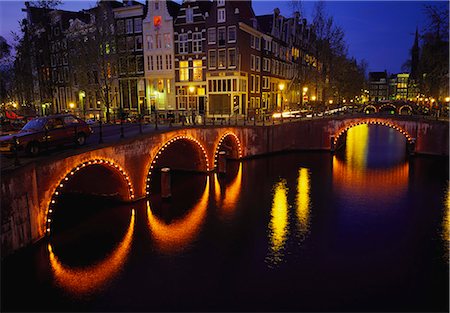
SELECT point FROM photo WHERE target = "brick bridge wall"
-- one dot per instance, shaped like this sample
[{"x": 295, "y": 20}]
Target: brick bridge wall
[{"x": 28, "y": 192}]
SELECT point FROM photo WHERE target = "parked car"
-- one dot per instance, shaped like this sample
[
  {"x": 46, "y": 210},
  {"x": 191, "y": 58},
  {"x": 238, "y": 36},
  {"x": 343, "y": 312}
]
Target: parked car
[{"x": 47, "y": 132}]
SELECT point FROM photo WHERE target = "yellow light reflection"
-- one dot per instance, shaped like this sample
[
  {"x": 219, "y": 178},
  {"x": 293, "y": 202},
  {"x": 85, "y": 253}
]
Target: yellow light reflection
[
  {"x": 171, "y": 238},
  {"x": 87, "y": 280},
  {"x": 357, "y": 145},
  {"x": 231, "y": 192},
  {"x": 303, "y": 199},
  {"x": 278, "y": 226}
]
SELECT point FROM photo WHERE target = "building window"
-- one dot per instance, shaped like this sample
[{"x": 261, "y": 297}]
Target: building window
[
  {"x": 130, "y": 43},
  {"x": 252, "y": 102},
  {"x": 232, "y": 34},
  {"x": 150, "y": 62},
  {"x": 252, "y": 41},
  {"x": 158, "y": 41},
  {"x": 140, "y": 63},
  {"x": 156, "y": 4},
  {"x": 252, "y": 62},
  {"x": 129, "y": 26},
  {"x": 168, "y": 61},
  {"x": 258, "y": 64},
  {"x": 211, "y": 35},
  {"x": 198, "y": 70},
  {"x": 120, "y": 27},
  {"x": 183, "y": 43},
  {"x": 265, "y": 82},
  {"x": 222, "y": 59},
  {"x": 220, "y": 3},
  {"x": 131, "y": 64},
  {"x": 232, "y": 57},
  {"x": 167, "y": 39},
  {"x": 184, "y": 70},
  {"x": 266, "y": 64},
  {"x": 257, "y": 43},
  {"x": 212, "y": 59},
  {"x": 138, "y": 40},
  {"x": 221, "y": 15},
  {"x": 258, "y": 81},
  {"x": 169, "y": 86},
  {"x": 252, "y": 83},
  {"x": 189, "y": 15},
  {"x": 122, "y": 65},
  {"x": 221, "y": 36},
  {"x": 150, "y": 42},
  {"x": 137, "y": 25},
  {"x": 197, "y": 42}
]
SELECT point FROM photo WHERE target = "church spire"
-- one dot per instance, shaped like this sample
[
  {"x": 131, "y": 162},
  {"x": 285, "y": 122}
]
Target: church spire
[{"x": 415, "y": 51}]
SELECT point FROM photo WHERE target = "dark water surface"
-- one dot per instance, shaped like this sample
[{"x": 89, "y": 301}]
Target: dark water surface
[{"x": 364, "y": 230}]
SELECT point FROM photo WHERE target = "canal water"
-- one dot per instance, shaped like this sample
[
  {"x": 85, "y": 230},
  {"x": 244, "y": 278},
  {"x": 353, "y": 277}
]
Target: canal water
[{"x": 366, "y": 230}]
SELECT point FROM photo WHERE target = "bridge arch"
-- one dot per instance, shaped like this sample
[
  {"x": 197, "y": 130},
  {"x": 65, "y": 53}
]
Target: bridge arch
[
  {"x": 370, "y": 108},
  {"x": 407, "y": 107},
  {"x": 166, "y": 145},
  {"x": 223, "y": 138},
  {"x": 384, "y": 106},
  {"x": 344, "y": 129},
  {"x": 58, "y": 189}
]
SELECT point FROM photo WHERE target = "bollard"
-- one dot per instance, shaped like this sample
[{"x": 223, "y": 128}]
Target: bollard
[
  {"x": 16, "y": 151},
  {"x": 100, "y": 140},
  {"x": 165, "y": 183},
  {"x": 222, "y": 162}
]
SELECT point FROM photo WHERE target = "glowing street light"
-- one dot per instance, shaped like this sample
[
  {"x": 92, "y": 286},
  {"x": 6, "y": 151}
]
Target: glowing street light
[
  {"x": 313, "y": 98},
  {"x": 305, "y": 90},
  {"x": 330, "y": 101},
  {"x": 191, "y": 89},
  {"x": 281, "y": 86},
  {"x": 447, "y": 99},
  {"x": 71, "y": 105}
]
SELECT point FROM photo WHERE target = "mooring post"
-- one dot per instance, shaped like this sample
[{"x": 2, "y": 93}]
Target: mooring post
[
  {"x": 222, "y": 162},
  {"x": 165, "y": 183}
]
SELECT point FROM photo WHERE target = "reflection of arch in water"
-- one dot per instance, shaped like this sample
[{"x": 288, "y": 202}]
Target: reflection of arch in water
[
  {"x": 279, "y": 223},
  {"x": 88, "y": 280},
  {"x": 408, "y": 108},
  {"x": 387, "y": 105},
  {"x": 446, "y": 222},
  {"x": 369, "y": 108},
  {"x": 58, "y": 189},
  {"x": 165, "y": 146},
  {"x": 170, "y": 238},
  {"x": 374, "y": 184},
  {"x": 220, "y": 142},
  {"x": 341, "y": 131},
  {"x": 231, "y": 194}
]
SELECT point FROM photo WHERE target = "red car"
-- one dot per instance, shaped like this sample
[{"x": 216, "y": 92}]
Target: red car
[{"x": 46, "y": 132}]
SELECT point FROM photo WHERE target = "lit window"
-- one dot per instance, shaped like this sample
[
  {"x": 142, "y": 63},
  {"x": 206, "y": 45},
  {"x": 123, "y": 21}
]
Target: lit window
[
  {"x": 222, "y": 59},
  {"x": 184, "y": 70},
  {"x": 198, "y": 71}
]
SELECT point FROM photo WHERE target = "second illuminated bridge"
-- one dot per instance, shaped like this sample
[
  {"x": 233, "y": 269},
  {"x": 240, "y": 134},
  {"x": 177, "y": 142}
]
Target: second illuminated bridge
[{"x": 31, "y": 191}]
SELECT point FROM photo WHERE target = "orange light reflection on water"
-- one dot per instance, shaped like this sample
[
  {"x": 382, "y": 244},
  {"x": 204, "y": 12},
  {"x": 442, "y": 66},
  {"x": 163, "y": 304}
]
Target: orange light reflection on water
[
  {"x": 80, "y": 281},
  {"x": 231, "y": 193},
  {"x": 171, "y": 238}
]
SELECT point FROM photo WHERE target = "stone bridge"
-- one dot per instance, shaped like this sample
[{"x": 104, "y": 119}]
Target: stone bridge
[{"x": 29, "y": 193}]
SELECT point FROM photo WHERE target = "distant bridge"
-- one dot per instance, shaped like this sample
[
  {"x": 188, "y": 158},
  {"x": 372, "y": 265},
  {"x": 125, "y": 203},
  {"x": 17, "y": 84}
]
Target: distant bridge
[{"x": 30, "y": 193}]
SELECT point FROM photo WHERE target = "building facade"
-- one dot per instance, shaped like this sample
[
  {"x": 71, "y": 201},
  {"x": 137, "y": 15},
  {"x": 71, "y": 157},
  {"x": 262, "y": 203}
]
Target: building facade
[{"x": 159, "y": 55}]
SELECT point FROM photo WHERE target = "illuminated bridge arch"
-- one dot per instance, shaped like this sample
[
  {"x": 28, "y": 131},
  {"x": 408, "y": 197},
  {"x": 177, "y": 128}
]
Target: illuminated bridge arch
[
  {"x": 406, "y": 106},
  {"x": 343, "y": 130},
  {"x": 370, "y": 106},
  {"x": 196, "y": 143},
  {"x": 221, "y": 141},
  {"x": 387, "y": 105},
  {"x": 58, "y": 189}
]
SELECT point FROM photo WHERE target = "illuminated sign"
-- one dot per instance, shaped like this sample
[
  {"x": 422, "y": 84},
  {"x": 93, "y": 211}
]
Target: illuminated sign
[{"x": 157, "y": 21}]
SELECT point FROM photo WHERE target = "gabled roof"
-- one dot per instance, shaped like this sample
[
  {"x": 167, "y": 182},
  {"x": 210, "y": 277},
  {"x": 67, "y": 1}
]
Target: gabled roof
[
  {"x": 265, "y": 23},
  {"x": 173, "y": 8}
]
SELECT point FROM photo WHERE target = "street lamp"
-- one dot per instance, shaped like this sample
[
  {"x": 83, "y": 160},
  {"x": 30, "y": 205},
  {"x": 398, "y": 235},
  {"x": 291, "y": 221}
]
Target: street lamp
[
  {"x": 71, "y": 105},
  {"x": 281, "y": 88}
]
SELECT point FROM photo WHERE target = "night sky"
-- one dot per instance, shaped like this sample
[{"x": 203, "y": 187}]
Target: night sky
[{"x": 381, "y": 32}]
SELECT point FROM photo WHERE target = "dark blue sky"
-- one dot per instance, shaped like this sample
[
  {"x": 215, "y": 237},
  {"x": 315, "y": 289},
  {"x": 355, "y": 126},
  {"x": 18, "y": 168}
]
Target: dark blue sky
[{"x": 381, "y": 32}]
